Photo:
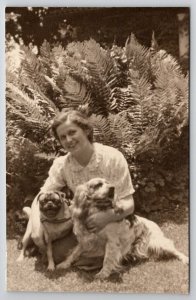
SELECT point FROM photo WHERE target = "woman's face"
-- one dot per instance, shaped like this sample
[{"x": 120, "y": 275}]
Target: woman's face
[{"x": 73, "y": 138}]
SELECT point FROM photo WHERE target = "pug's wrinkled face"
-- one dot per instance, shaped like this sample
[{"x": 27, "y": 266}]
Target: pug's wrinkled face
[{"x": 50, "y": 203}]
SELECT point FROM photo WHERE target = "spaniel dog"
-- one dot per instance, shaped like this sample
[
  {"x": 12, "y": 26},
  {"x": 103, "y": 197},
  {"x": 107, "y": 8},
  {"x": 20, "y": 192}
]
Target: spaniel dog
[{"x": 141, "y": 238}]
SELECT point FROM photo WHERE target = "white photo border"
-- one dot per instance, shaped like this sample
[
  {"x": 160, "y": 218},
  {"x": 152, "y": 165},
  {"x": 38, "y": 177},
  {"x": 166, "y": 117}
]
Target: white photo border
[{"x": 101, "y": 3}]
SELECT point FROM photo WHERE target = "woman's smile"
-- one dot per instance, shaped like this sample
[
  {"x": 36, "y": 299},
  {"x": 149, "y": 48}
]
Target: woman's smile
[{"x": 71, "y": 146}]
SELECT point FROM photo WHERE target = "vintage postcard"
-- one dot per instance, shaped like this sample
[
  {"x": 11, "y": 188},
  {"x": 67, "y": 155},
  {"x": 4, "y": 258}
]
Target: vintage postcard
[{"x": 97, "y": 149}]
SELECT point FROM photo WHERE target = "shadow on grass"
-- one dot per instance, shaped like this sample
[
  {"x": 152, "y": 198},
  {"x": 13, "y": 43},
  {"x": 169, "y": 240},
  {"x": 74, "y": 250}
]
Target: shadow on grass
[
  {"x": 41, "y": 266},
  {"x": 87, "y": 276},
  {"x": 117, "y": 277}
]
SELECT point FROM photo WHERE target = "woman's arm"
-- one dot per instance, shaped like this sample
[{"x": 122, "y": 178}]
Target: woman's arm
[
  {"x": 99, "y": 220},
  {"x": 126, "y": 205}
]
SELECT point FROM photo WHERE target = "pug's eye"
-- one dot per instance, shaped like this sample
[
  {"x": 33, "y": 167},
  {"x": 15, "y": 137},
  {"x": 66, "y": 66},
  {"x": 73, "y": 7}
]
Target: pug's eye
[
  {"x": 41, "y": 197},
  {"x": 56, "y": 197}
]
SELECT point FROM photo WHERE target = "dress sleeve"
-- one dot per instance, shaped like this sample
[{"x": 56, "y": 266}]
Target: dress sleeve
[
  {"x": 120, "y": 176},
  {"x": 55, "y": 180}
]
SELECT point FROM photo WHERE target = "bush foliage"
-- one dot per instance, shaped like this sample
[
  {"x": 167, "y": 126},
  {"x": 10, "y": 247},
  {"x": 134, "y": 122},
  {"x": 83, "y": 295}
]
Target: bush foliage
[{"x": 135, "y": 97}]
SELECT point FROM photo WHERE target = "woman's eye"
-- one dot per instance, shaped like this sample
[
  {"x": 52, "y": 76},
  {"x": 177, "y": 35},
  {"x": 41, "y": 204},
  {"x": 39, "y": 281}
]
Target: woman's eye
[
  {"x": 72, "y": 132},
  {"x": 63, "y": 137}
]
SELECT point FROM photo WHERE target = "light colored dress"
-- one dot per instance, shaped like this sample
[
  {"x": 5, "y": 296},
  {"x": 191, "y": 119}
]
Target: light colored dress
[{"x": 106, "y": 162}]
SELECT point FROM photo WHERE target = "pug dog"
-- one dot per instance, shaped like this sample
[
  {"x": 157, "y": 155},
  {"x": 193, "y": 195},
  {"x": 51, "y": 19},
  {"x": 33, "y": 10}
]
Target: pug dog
[{"x": 49, "y": 220}]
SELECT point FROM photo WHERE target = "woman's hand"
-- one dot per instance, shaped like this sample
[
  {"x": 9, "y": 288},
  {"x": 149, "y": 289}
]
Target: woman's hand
[{"x": 99, "y": 220}]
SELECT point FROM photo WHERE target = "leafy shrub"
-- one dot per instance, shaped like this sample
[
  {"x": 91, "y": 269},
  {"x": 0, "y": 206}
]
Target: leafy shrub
[
  {"x": 26, "y": 171},
  {"x": 136, "y": 98}
]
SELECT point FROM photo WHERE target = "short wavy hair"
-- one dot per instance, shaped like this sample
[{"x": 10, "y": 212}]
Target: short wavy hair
[{"x": 76, "y": 117}]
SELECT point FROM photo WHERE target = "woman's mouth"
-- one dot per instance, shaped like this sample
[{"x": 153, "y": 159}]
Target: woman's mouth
[{"x": 71, "y": 146}]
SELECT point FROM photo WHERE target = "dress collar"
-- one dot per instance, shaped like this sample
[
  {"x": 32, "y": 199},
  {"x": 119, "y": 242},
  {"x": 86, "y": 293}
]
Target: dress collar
[{"x": 92, "y": 164}]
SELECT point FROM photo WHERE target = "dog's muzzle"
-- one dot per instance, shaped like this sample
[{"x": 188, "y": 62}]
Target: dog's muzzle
[
  {"x": 107, "y": 201},
  {"x": 52, "y": 205}
]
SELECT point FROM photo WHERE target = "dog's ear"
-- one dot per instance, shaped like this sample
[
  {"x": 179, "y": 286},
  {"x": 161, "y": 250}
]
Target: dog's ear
[
  {"x": 79, "y": 200},
  {"x": 80, "y": 195},
  {"x": 39, "y": 196},
  {"x": 62, "y": 196}
]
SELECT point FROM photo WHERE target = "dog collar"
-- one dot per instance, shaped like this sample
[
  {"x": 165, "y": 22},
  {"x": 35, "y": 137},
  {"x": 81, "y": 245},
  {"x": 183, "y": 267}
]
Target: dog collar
[{"x": 43, "y": 219}]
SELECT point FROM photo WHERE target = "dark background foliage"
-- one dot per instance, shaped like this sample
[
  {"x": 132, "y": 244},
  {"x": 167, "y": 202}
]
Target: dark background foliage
[{"x": 105, "y": 25}]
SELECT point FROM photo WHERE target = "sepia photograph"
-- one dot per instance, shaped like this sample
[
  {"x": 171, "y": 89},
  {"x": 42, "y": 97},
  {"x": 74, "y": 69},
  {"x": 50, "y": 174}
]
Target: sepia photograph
[{"x": 97, "y": 149}]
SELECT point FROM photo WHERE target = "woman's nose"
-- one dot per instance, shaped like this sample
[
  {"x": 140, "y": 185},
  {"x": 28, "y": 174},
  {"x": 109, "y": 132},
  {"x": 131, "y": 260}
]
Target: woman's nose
[{"x": 68, "y": 139}]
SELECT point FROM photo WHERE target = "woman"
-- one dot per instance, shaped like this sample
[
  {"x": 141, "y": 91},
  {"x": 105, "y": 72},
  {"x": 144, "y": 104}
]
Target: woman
[{"x": 86, "y": 160}]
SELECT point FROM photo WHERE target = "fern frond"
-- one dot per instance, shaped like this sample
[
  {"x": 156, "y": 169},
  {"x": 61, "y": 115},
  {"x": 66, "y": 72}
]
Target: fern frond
[
  {"x": 102, "y": 129},
  {"x": 148, "y": 141},
  {"x": 29, "y": 127},
  {"x": 46, "y": 59},
  {"x": 47, "y": 106},
  {"x": 121, "y": 66},
  {"x": 22, "y": 101},
  {"x": 165, "y": 63},
  {"x": 93, "y": 66},
  {"x": 123, "y": 128},
  {"x": 26, "y": 114},
  {"x": 45, "y": 51},
  {"x": 138, "y": 56},
  {"x": 53, "y": 84},
  {"x": 32, "y": 68},
  {"x": 14, "y": 58},
  {"x": 102, "y": 61},
  {"x": 154, "y": 45},
  {"x": 76, "y": 92},
  {"x": 100, "y": 91}
]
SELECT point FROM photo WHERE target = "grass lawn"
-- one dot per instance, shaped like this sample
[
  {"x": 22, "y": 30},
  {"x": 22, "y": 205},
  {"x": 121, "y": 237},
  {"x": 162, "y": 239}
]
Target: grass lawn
[{"x": 148, "y": 277}]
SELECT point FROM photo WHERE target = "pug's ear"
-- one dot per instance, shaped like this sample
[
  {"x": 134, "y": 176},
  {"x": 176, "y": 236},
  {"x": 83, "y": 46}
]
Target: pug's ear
[
  {"x": 62, "y": 196},
  {"x": 40, "y": 197}
]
